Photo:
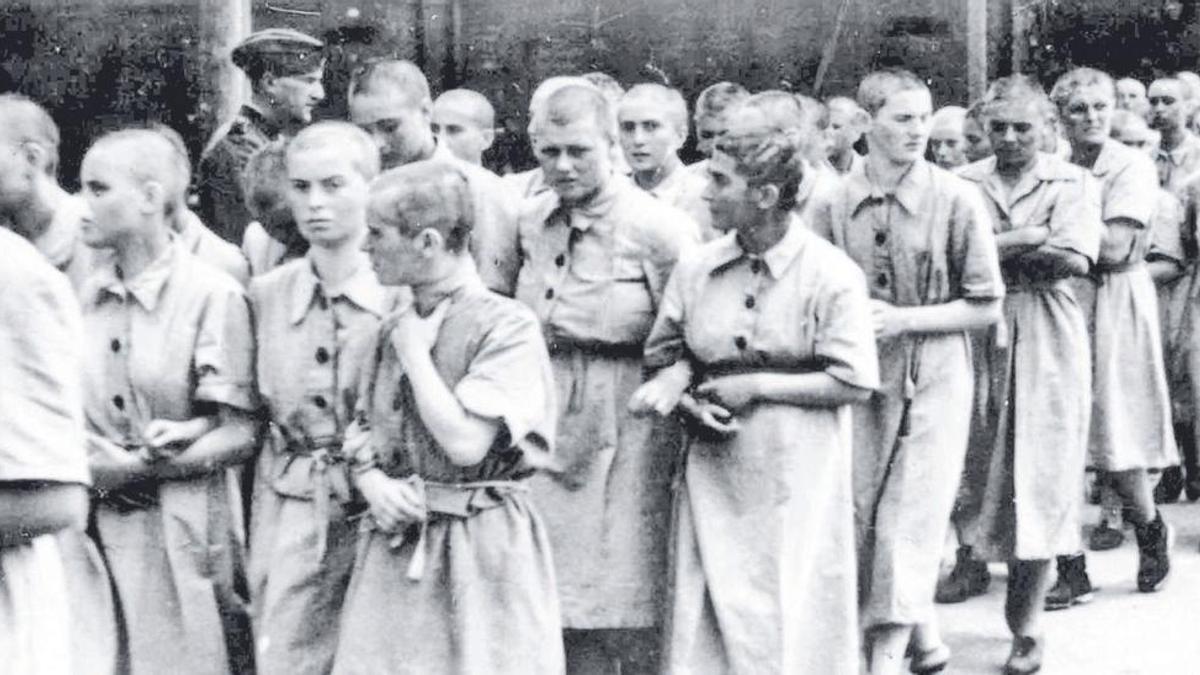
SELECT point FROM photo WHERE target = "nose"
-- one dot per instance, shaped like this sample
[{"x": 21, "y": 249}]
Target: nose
[
  {"x": 562, "y": 162},
  {"x": 315, "y": 198},
  {"x": 1010, "y": 134},
  {"x": 318, "y": 92},
  {"x": 707, "y": 193}
]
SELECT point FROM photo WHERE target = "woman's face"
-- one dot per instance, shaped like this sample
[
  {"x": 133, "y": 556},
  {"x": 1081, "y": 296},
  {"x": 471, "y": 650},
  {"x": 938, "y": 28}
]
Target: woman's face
[
  {"x": 1015, "y": 131},
  {"x": 1087, "y": 115},
  {"x": 977, "y": 146},
  {"x": 328, "y": 196},
  {"x": 728, "y": 194}
]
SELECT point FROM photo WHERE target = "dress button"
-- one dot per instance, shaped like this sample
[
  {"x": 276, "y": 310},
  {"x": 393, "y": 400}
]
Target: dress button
[
  {"x": 549, "y": 293},
  {"x": 115, "y": 345},
  {"x": 740, "y": 342},
  {"x": 755, "y": 266},
  {"x": 322, "y": 355},
  {"x": 750, "y": 302},
  {"x": 560, "y": 260},
  {"x": 881, "y": 238},
  {"x": 320, "y": 402},
  {"x": 881, "y": 280},
  {"x": 119, "y": 402}
]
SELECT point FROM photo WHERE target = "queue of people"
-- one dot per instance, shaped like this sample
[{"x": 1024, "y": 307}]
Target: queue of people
[{"x": 372, "y": 408}]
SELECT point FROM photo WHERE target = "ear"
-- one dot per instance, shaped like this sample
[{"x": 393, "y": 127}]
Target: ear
[
  {"x": 35, "y": 155},
  {"x": 267, "y": 82},
  {"x": 862, "y": 119},
  {"x": 766, "y": 196},
  {"x": 489, "y": 137},
  {"x": 153, "y": 195},
  {"x": 430, "y": 242}
]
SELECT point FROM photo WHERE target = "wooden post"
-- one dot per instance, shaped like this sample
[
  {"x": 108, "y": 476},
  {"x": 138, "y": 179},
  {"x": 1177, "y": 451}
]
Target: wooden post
[
  {"x": 1022, "y": 24},
  {"x": 222, "y": 24},
  {"x": 977, "y": 48}
]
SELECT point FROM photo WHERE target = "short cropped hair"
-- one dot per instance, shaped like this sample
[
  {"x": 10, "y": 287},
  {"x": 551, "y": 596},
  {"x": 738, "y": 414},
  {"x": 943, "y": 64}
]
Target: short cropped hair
[
  {"x": 1014, "y": 89},
  {"x": 877, "y": 87},
  {"x": 572, "y": 103},
  {"x": 264, "y": 178},
  {"x": 27, "y": 122},
  {"x": 429, "y": 194},
  {"x": 1140, "y": 86},
  {"x": 607, "y": 84},
  {"x": 152, "y": 158},
  {"x": 667, "y": 99},
  {"x": 784, "y": 111},
  {"x": 364, "y": 153},
  {"x": 391, "y": 75},
  {"x": 951, "y": 114},
  {"x": 766, "y": 155},
  {"x": 715, "y": 99},
  {"x": 1073, "y": 80},
  {"x": 479, "y": 108}
]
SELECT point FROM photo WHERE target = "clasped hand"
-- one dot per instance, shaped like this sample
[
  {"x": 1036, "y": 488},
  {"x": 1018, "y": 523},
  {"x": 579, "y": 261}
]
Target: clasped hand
[{"x": 394, "y": 503}]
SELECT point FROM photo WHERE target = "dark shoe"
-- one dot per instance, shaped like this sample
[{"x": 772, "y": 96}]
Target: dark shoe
[
  {"x": 1169, "y": 486},
  {"x": 932, "y": 661},
  {"x": 1073, "y": 586},
  {"x": 1105, "y": 537},
  {"x": 1154, "y": 559},
  {"x": 1026, "y": 656},
  {"x": 969, "y": 578}
]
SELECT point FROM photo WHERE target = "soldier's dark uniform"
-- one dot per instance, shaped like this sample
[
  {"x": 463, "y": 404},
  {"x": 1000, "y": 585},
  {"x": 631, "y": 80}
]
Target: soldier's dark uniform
[{"x": 276, "y": 50}]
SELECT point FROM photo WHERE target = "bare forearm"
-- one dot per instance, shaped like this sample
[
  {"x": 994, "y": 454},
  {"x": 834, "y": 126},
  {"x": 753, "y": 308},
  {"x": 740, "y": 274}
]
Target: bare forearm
[
  {"x": 1021, "y": 240},
  {"x": 465, "y": 438},
  {"x": 31, "y": 509},
  {"x": 1119, "y": 237},
  {"x": 114, "y": 466},
  {"x": 950, "y": 317},
  {"x": 232, "y": 442},
  {"x": 808, "y": 389},
  {"x": 1058, "y": 263}
]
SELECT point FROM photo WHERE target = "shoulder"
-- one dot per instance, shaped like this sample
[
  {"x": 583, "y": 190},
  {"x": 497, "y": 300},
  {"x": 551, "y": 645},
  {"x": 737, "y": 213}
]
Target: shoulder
[
  {"x": 830, "y": 263},
  {"x": 1054, "y": 168},
  {"x": 278, "y": 281},
  {"x": 202, "y": 278},
  {"x": 27, "y": 278},
  {"x": 653, "y": 220},
  {"x": 976, "y": 172}
]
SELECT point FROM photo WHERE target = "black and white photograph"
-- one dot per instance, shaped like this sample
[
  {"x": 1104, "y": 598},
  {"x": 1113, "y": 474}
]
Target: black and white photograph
[{"x": 599, "y": 337}]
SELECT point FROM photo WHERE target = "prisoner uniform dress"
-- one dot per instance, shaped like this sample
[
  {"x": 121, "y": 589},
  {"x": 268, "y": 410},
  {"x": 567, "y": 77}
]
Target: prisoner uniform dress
[
  {"x": 1040, "y": 374},
  {"x": 471, "y": 590},
  {"x": 929, "y": 242},
  {"x": 175, "y": 337},
  {"x": 315, "y": 337},
  {"x": 763, "y": 572}
]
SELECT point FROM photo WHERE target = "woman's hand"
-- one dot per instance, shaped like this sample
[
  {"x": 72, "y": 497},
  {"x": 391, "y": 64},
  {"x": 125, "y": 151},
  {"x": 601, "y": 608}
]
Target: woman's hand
[
  {"x": 732, "y": 392},
  {"x": 414, "y": 335},
  {"x": 710, "y": 416},
  {"x": 167, "y": 438},
  {"x": 661, "y": 394},
  {"x": 394, "y": 503}
]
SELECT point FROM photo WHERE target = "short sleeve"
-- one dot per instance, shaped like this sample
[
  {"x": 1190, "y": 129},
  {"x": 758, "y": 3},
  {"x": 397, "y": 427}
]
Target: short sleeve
[
  {"x": 509, "y": 380},
  {"x": 41, "y": 395},
  {"x": 845, "y": 338},
  {"x": 1132, "y": 193},
  {"x": 666, "y": 344},
  {"x": 224, "y": 356},
  {"x": 1075, "y": 222},
  {"x": 976, "y": 261}
]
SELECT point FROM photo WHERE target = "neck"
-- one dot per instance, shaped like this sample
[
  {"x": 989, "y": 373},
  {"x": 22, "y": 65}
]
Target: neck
[
  {"x": 768, "y": 232},
  {"x": 1085, "y": 154},
  {"x": 885, "y": 173},
  {"x": 335, "y": 265},
  {"x": 33, "y": 218},
  {"x": 1012, "y": 172},
  {"x": 270, "y": 111},
  {"x": 1173, "y": 137},
  {"x": 648, "y": 180},
  {"x": 458, "y": 272},
  {"x": 137, "y": 252}
]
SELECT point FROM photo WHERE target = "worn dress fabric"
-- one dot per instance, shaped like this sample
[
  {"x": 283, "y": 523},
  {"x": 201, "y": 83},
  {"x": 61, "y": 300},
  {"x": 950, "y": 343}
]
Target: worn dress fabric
[
  {"x": 684, "y": 190},
  {"x": 1179, "y": 174},
  {"x": 594, "y": 276},
  {"x": 41, "y": 439},
  {"x": 1131, "y": 411},
  {"x": 175, "y": 337},
  {"x": 472, "y": 591},
  {"x": 317, "y": 336},
  {"x": 763, "y": 573},
  {"x": 929, "y": 242},
  {"x": 1040, "y": 371}
]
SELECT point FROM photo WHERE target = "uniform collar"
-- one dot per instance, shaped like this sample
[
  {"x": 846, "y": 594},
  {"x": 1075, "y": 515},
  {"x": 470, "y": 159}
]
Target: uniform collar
[
  {"x": 258, "y": 118},
  {"x": 594, "y": 209},
  {"x": 146, "y": 288},
  {"x": 361, "y": 289},
  {"x": 1176, "y": 157},
  {"x": 1110, "y": 158},
  {"x": 909, "y": 191},
  {"x": 777, "y": 258}
]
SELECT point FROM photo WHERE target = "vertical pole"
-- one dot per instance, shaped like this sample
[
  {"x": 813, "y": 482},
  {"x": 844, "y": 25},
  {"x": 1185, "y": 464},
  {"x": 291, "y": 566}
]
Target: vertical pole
[
  {"x": 977, "y": 48},
  {"x": 1022, "y": 24},
  {"x": 222, "y": 24}
]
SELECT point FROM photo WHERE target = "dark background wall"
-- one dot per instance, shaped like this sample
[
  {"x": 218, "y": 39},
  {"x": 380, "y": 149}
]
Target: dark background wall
[{"x": 102, "y": 63}]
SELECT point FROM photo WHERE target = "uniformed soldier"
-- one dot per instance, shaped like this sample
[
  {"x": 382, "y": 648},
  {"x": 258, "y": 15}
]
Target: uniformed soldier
[{"x": 285, "y": 68}]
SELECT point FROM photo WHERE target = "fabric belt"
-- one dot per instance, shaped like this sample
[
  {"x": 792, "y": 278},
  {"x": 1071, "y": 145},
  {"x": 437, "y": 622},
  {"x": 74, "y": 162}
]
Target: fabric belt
[
  {"x": 329, "y": 479},
  {"x": 558, "y": 347},
  {"x": 1117, "y": 267},
  {"x": 447, "y": 501}
]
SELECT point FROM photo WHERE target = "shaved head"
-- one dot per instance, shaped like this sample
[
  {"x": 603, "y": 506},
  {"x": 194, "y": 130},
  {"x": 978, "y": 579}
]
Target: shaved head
[
  {"x": 670, "y": 101},
  {"x": 470, "y": 104},
  {"x": 147, "y": 156},
  {"x": 23, "y": 121}
]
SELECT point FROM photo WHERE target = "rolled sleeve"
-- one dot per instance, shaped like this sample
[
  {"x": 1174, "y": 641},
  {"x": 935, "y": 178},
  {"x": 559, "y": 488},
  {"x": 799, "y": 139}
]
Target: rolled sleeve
[
  {"x": 845, "y": 341},
  {"x": 665, "y": 344},
  {"x": 224, "y": 356},
  {"x": 1132, "y": 193},
  {"x": 509, "y": 380}
]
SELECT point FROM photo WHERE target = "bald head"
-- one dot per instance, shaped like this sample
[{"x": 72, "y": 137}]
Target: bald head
[
  {"x": 574, "y": 104},
  {"x": 23, "y": 121},
  {"x": 150, "y": 158},
  {"x": 465, "y": 123},
  {"x": 947, "y": 144},
  {"x": 665, "y": 99}
]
